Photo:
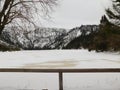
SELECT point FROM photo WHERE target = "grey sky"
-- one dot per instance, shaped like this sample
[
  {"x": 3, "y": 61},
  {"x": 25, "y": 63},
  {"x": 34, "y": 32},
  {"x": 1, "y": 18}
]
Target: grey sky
[{"x": 72, "y": 13}]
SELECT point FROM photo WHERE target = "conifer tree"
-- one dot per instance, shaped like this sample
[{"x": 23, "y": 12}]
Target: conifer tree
[{"x": 108, "y": 37}]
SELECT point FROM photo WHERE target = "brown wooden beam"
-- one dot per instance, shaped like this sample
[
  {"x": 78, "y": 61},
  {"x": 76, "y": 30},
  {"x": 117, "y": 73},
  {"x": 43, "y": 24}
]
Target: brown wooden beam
[{"x": 89, "y": 70}]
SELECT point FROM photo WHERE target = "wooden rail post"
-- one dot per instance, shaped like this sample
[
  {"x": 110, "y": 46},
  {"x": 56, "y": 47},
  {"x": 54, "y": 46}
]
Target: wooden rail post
[{"x": 60, "y": 81}]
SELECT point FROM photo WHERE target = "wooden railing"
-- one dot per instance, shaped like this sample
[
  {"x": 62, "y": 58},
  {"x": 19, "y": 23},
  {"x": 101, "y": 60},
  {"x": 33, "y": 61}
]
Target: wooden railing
[{"x": 61, "y": 71}]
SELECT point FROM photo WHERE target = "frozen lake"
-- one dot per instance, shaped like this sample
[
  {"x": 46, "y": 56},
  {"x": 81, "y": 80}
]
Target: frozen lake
[{"x": 59, "y": 59}]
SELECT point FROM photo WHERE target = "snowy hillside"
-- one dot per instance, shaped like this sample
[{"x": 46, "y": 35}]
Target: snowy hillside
[
  {"x": 45, "y": 38},
  {"x": 83, "y": 38},
  {"x": 83, "y": 30},
  {"x": 35, "y": 39}
]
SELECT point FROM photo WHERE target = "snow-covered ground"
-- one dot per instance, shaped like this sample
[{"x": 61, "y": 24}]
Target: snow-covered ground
[{"x": 59, "y": 59}]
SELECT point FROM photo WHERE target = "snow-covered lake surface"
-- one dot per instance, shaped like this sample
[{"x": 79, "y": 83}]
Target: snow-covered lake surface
[{"x": 61, "y": 59}]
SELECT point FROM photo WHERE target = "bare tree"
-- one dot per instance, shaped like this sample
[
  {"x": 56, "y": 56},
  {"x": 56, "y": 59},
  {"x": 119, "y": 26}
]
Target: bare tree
[{"x": 23, "y": 11}]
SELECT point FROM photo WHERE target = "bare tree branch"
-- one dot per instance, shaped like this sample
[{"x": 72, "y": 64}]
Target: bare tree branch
[{"x": 23, "y": 10}]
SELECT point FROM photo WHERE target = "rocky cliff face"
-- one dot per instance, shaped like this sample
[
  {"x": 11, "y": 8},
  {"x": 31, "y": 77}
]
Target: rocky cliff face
[{"x": 45, "y": 38}]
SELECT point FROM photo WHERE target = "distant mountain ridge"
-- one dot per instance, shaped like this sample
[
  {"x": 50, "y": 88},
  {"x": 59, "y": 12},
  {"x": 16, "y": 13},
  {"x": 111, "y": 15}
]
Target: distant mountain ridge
[
  {"x": 46, "y": 38},
  {"x": 84, "y": 37}
]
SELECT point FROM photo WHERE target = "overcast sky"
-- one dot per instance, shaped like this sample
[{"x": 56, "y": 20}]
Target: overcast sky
[{"x": 72, "y": 13}]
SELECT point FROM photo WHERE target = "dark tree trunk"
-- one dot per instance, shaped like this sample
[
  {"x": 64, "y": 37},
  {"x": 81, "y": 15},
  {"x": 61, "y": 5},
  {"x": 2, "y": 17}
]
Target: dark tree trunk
[{"x": 1, "y": 29}]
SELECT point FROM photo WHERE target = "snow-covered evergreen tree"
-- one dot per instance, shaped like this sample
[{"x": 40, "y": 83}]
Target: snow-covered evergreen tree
[{"x": 113, "y": 13}]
